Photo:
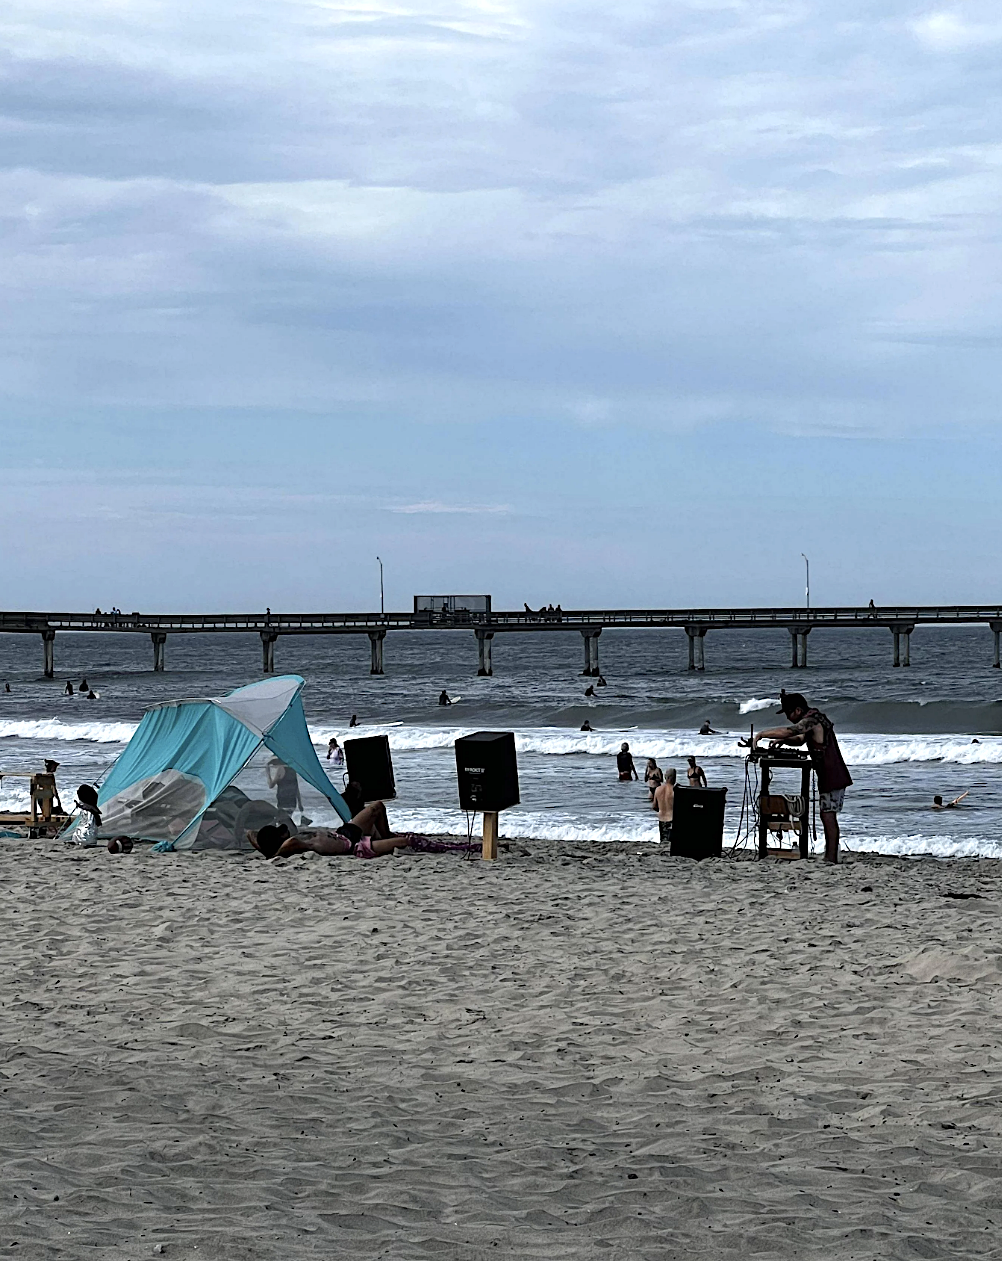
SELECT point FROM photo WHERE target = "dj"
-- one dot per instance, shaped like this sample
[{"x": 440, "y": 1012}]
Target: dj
[{"x": 813, "y": 728}]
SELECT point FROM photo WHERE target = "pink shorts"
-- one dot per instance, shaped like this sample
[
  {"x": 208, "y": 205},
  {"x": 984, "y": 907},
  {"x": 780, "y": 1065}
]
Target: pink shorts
[{"x": 364, "y": 848}]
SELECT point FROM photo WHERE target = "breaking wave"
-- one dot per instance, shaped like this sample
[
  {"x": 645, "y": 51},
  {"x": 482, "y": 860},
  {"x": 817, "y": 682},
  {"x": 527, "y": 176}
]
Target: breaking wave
[{"x": 859, "y": 750}]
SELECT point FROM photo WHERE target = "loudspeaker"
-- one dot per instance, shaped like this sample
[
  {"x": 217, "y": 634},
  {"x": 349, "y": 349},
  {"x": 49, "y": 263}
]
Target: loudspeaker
[
  {"x": 697, "y": 829},
  {"x": 368, "y": 761},
  {"x": 487, "y": 771}
]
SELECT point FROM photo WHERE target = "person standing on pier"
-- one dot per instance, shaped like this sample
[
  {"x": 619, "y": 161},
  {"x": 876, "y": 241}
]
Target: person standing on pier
[{"x": 814, "y": 729}]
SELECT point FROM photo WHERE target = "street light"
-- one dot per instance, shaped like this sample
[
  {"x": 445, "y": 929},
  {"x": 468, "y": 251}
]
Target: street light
[
  {"x": 382, "y": 609},
  {"x": 808, "y": 564}
]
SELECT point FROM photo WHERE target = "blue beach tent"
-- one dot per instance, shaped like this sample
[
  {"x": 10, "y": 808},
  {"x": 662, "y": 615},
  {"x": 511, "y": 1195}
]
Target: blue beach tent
[{"x": 185, "y": 753}]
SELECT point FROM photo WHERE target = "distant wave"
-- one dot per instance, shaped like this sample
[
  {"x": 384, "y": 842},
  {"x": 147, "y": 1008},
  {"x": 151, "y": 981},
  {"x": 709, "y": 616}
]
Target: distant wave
[{"x": 54, "y": 729}]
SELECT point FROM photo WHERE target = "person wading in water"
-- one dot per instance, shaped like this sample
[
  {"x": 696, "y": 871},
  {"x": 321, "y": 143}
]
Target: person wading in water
[{"x": 814, "y": 729}]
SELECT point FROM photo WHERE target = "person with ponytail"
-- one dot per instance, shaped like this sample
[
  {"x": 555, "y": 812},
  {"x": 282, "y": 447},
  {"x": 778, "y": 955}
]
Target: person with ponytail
[{"x": 85, "y": 832}]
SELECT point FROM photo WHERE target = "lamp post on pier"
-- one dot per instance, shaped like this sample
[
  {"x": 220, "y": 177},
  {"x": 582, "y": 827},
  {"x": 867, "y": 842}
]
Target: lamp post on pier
[
  {"x": 382, "y": 609},
  {"x": 808, "y": 564}
]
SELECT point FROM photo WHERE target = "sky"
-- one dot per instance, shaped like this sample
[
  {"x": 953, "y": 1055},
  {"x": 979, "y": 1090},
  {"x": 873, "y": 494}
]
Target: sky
[{"x": 608, "y": 305}]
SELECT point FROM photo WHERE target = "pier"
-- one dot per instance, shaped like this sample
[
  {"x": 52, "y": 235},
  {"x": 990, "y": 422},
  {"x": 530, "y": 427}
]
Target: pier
[{"x": 485, "y": 625}]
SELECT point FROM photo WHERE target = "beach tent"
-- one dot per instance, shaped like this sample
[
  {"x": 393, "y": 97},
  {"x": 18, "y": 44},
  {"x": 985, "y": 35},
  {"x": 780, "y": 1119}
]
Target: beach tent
[{"x": 184, "y": 754}]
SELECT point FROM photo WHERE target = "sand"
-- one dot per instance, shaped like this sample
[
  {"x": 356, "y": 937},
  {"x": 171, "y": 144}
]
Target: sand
[{"x": 577, "y": 1052}]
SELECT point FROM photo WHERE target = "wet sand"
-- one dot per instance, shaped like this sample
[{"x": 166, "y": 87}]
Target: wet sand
[{"x": 578, "y": 1052}]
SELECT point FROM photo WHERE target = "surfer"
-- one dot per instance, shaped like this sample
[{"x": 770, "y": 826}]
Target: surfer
[
  {"x": 939, "y": 804},
  {"x": 68, "y": 689},
  {"x": 444, "y": 698},
  {"x": 707, "y": 730},
  {"x": 354, "y": 721},
  {"x": 586, "y": 726},
  {"x": 589, "y": 690}
]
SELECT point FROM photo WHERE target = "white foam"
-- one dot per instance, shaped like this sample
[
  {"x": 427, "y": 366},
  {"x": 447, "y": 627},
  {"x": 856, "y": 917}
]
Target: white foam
[
  {"x": 750, "y": 706},
  {"x": 55, "y": 729},
  {"x": 859, "y": 750}
]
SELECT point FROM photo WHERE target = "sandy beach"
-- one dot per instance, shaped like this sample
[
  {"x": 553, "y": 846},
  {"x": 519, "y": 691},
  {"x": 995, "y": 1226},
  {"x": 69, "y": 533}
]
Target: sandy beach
[{"x": 577, "y": 1052}]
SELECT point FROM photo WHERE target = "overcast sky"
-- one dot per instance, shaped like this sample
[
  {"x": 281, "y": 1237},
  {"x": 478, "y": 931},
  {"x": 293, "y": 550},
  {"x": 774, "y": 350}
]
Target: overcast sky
[{"x": 623, "y": 304}]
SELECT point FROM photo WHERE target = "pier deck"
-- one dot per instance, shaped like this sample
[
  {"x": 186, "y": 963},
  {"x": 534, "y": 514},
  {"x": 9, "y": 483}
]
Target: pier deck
[{"x": 900, "y": 620}]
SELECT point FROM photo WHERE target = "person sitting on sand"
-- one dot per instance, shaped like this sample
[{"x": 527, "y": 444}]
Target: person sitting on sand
[
  {"x": 624, "y": 763},
  {"x": 664, "y": 804},
  {"x": 654, "y": 776},
  {"x": 939, "y": 804},
  {"x": 697, "y": 778},
  {"x": 85, "y": 832}
]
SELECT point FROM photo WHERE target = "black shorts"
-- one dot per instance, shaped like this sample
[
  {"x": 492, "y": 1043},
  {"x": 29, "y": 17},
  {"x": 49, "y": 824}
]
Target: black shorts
[{"x": 665, "y": 831}]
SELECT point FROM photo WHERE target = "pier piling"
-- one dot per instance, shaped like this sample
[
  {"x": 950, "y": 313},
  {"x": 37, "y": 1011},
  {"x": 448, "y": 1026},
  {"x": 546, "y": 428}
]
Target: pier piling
[
  {"x": 590, "y": 637},
  {"x": 268, "y": 651},
  {"x": 49, "y": 653},
  {"x": 159, "y": 639},
  {"x": 696, "y": 636},
  {"x": 902, "y": 644},
  {"x": 995, "y": 628},
  {"x": 376, "y": 638},
  {"x": 485, "y": 666}
]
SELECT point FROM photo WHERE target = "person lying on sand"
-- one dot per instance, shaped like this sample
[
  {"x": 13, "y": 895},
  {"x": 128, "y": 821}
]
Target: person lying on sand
[
  {"x": 274, "y": 841},
  {"x": 368, "y": 835},
  {"x": 939, "y": 804}
]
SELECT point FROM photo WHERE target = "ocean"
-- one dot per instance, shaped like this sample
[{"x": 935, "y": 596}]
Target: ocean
[{"x": 906, "y": 733}]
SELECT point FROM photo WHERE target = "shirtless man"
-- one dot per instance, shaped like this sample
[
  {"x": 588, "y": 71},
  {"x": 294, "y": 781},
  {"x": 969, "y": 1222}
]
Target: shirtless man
[
  {"x": 814, "y": 729},
  {"x": 664, "y": 804},
  {"x": 697, "y": 777}
]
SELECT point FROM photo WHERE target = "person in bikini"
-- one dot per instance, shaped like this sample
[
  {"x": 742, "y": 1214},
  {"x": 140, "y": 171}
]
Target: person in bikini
[
  {"x": 368, "y": 835},
  {"x": 696, "y": 774}
]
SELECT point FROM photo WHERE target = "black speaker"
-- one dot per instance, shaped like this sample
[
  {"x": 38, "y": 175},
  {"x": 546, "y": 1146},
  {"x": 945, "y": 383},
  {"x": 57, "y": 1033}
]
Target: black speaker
[
  {"x": 368, "y": 761},
  {"x": 487, "y": 771},
  {"x": 697, "y": 829}
]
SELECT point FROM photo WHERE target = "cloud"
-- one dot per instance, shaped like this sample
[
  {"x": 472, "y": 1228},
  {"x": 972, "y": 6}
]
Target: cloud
[
  {"x": 433, "y": 507},
  {"x": 949, "y": 31},
  {"x": 243, "y": 236}
]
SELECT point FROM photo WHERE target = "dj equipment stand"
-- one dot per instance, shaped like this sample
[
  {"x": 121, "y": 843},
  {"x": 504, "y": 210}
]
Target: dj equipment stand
[{"x": 768, "y": 760}]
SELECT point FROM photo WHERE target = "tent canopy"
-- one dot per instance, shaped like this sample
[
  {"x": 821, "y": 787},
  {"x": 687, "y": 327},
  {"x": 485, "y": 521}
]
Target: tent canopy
[{"x": 184, "y": 753}]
